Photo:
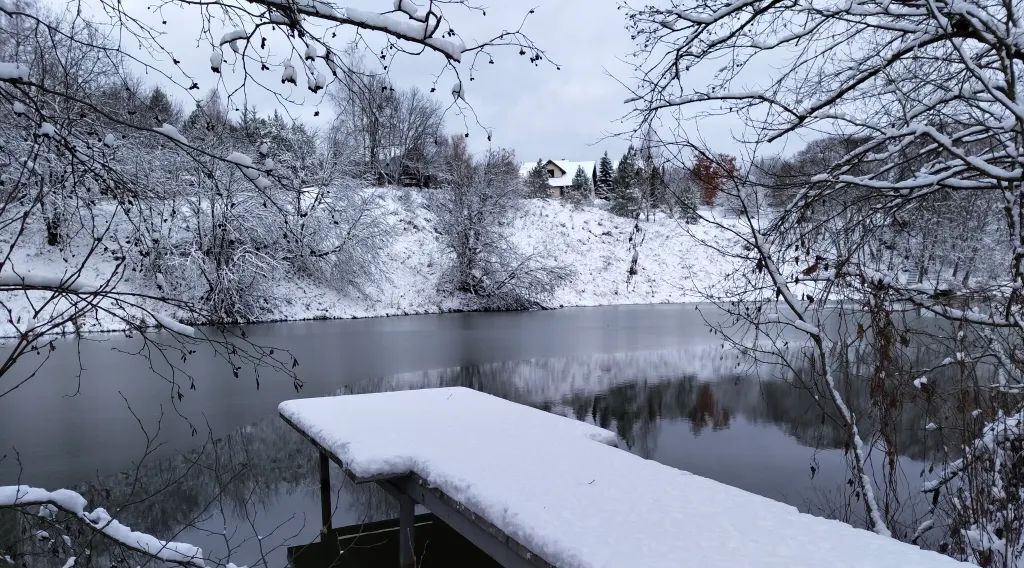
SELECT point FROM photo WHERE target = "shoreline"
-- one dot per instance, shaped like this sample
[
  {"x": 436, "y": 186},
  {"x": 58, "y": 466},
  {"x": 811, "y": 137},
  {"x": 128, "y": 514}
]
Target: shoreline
[{"x": 4, "y": 338}]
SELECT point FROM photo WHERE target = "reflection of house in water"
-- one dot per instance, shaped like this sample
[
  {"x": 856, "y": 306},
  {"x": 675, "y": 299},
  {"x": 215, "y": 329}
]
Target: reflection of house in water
[
  {"x": 266, "y": 468},
  {"x": 707, "y": 412}
]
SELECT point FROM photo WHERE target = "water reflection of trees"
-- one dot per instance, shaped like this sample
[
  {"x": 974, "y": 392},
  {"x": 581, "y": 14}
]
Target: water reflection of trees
[
  {"x": 217, "y": 496},
  {"x": 707, "y": 386},
  {"x": 233, "y": 481}
]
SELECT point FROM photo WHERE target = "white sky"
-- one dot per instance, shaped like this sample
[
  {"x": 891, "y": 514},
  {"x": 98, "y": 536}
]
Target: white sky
[{"x": 537, "y": 111}]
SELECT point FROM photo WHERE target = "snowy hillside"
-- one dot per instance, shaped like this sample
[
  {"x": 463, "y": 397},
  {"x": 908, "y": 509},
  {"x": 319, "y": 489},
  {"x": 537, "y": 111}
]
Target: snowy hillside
[
  {"x": 673, "y": 266},
  {"x": 593, "y": 242}
]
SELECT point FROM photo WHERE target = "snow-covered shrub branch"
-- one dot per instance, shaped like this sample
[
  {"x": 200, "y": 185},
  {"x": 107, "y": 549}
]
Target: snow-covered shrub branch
[
  {"x": 98, "y": 520},
  {"x": 155, "y": 219},
  {"x": 84, "y": 177},
  {"x": 908, "y": 197},
  {"x": 474, "y": 206}
]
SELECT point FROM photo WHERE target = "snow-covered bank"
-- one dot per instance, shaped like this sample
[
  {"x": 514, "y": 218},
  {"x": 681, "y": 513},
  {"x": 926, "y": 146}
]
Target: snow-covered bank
[{"x": 673, "y": 266}]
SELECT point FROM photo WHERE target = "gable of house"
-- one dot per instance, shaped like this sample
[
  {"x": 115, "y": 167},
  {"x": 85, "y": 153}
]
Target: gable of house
[
  {"x": 553, "y": 169},
  {"x": 560, "y": 172},
  {"x": 569, "y": 171}
]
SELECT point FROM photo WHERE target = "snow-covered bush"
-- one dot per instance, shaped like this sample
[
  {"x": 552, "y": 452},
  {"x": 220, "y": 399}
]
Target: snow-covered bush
[
  {"x": 907, "y": 199},
  {"x": 985, "y": 506},
  {"x": 337, "y": 236},
  {"x": 473, "y": 209},
  {"x": 227, "y": 262}
]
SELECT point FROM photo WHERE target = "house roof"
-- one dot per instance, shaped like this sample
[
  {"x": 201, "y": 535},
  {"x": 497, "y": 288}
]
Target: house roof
[{"x": 568, "y": 166}]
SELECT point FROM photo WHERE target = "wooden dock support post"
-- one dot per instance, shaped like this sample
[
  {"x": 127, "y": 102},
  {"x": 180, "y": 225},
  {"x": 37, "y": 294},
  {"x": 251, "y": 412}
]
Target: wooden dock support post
[
  {"x": 407, "y": 528},
  {"x": 325, "y": 499}
]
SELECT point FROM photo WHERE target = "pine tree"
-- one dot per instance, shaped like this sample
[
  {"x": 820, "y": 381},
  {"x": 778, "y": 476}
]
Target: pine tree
[
  {"x": 688, "y": 202},
  {"x": 605, "y": 178},
  {"x": 656, "y": 189},
  {"x": 625, "y": 187},
  {"x": 537, "y": 181},
  {"x": 162, "y": 109},
  {"x": 581, "y": 189}
]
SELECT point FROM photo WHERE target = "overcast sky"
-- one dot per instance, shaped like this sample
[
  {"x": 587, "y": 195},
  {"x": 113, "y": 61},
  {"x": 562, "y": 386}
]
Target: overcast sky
[{"x": 537, "y": 111}]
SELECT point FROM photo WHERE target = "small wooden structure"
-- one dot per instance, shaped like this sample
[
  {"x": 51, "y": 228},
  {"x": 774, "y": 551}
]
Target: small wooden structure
[
  {"x": 375, "y": 544},
  {"x": 533, "y": 489},
  {"x": 410, "y": 490}
]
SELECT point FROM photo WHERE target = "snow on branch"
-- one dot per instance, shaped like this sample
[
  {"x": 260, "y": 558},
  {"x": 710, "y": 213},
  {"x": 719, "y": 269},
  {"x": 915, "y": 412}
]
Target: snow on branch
[
  {"x": 1002, "y": 430},
  {"x": 414, "y": 27},
  {"x": 174, "y": 325},
  {"x": 13, "y": 71},
  {"x": 71, "y": 502},
  {"x": 172, "y": 133},
  {"x": 31, "y": 280}
]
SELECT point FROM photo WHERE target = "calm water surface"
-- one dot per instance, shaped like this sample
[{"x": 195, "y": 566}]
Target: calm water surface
[{"x": 653, "y": 374}]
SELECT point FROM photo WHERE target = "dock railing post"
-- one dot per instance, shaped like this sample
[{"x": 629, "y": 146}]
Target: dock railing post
[
  {"x": 325, "y": 501},
  {"x": 407, "y": 528}
]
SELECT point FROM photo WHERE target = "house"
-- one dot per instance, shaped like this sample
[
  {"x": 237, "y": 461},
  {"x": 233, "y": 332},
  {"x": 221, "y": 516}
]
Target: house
[{"x": 561, "y": 172}]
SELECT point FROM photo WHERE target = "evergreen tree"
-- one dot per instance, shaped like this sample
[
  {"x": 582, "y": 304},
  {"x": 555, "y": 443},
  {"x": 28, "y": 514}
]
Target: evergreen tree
[
  {"x": 656, "y": 189},
  {"x": 605, "y": 178},
  {"x": 625, "y": 188},
  {"x": 680, "y": 195},
  {"x": 688, "y": 203},
  {"x": 652, "y": 186},
  {"x": 162, "y": 109},
  {"x": 581, "y": 189},
  {"x": 537, "y": 181}
]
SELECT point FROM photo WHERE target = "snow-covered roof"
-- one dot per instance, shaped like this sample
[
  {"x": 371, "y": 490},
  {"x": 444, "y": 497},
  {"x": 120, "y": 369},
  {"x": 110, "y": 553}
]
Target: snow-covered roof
[
  {"x": 556, "y": 486},
  {"x": 568, "y": 166}
]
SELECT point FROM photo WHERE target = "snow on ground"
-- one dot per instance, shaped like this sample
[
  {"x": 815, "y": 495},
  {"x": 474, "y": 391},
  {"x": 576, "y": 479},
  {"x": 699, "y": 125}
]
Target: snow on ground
[
  {"x": 673, "y": 266},
  {"x": 555, "y": 485}
]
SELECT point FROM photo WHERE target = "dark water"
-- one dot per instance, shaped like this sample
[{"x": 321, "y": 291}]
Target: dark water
[{"x": 653, "y": 374}]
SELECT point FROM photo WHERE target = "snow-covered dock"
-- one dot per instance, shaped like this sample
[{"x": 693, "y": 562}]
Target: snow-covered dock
[{"x": 536, "y": 489}]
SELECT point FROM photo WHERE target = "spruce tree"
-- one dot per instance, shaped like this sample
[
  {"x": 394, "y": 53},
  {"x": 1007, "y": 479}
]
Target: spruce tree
[
  {"x": 537, "y": 181},
  {"x": 656, "y": 188},
  {"x": 625, "y": 188},
  {"x": 605, "y": 177},
  {"x": 162, "y": 109},
  {"x": 688, "y": 203},
  {"x": 581, "y": 188}
]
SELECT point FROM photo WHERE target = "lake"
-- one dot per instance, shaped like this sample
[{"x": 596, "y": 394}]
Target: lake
[{"x": 222, "y": 471}]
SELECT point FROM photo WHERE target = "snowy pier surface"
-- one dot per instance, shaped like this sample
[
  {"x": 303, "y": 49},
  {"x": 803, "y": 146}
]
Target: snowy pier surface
[{"x": 549, "y": 490}]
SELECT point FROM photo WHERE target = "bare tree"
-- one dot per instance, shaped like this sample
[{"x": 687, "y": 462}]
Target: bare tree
[
  {"x": 924, "y": 96},
  {"x": 391, "y": 135},
  {"x": 474, "y": 207},
  {"x": 77, "y": 132}
]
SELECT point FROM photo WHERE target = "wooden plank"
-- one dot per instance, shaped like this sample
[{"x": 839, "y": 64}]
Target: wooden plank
[
  {"x": 406, "y": 532},
  {"x": 325, "y": 497},
  {"x": 375, "y": 544},
  {"x": 475, "y": 528}
]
